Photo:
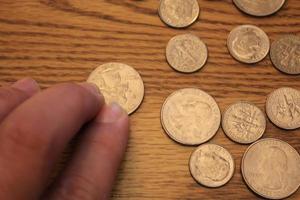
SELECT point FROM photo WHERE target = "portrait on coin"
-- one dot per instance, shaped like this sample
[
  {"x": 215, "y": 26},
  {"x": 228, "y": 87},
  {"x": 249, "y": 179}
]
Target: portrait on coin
[
  {"x": 247, "y": 45},
  {"x": 271, "y": 168},
  {"x": 212, "y": 166},
  {"x": 112, "y": 85},
  {"x": 179, "y": 8},
  {"x": 188, "y": 116}
]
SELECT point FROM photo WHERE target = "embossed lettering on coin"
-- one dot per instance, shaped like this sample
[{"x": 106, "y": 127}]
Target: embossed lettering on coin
[
  {"x": 248, "y": 44},
  {"x": 271, "y": 168},
  {"x": 211, "y": 165},
  {"x": 179, "y": 13},
  {"x": 283, "y": 108},
  {"x": 244, "y": 122},
  {"x": 119, "y": 83},
  {"x": 186, "y": 53},
  {"x": 285, "y": 54},
  {"x": 259, "y": 8},
  {"x": 190, "y": 116}
]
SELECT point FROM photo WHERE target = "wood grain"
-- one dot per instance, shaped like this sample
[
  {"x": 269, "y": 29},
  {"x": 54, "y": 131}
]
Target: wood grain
[{"x": 57, "y": 41}]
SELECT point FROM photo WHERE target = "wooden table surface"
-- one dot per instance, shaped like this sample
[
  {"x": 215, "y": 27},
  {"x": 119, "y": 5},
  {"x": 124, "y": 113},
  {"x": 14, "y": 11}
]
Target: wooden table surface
[{"x": 58, "y": 41}]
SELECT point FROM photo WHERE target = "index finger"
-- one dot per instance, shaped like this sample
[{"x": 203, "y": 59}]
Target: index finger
[{"x": 34, "y": 135}]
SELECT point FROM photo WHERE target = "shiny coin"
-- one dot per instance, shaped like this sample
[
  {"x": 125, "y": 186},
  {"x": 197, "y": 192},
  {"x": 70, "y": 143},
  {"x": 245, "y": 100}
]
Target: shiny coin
[
  {"x": 283, "y": 108},
  {"x": 244, "y": 122},
  {"x": 179, "y": 13},
  {"x": 285, "y": 54},
  {"x": 248, "y": 44},
  {"x": 259, "y": 8},
  {"x": 186, "y": 53},
  {"x": 190, "y": 116},
  {"x": 271, "y": 168},
  {"x": 119, "y": 83},
  {"x": 211, "y": 165}
]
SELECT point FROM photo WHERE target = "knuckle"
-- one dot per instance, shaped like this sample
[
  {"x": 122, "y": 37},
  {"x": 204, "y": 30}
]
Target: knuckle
[
  {"x": 5, "y": 93},
  {"x": 9, "y": 98},
  {"x": 8, "y": 95},
  {"x": 20, "y": 136}
]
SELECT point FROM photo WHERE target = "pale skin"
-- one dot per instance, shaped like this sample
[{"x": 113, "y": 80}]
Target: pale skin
[{"x": 35, "y": 128}]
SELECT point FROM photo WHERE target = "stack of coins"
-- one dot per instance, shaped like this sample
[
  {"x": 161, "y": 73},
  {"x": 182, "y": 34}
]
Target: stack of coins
[{"x": 190, "y": 116}]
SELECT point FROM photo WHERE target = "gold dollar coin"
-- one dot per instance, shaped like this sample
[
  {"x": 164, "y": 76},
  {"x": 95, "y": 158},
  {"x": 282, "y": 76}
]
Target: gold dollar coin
[
  {"x": 244, "y": 122},
  {"x": 259, "y": 8},
  {"x": 283, "y": 108},
  {"x": 248, "y": 44},
  {"x": 119, "y": 83},
  {"x": 186, "y": 53},
  {"x": 285, "y": 54},
  {"x": 179, "y": 13},
  {"x": 190, "y": 116},
  {"x": 271, "y": 168},
  {"x": 211, "y": 165}
]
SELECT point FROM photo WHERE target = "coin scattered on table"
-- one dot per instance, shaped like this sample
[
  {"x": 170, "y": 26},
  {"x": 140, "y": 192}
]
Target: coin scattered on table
[
  {"x": 190, "y": 116},
  {"x": 259, "y": 8},
  {"x": 283, "y": 108},
  {"x": 211, "y": 165},
  {"x": 271, "y": 168},
  {"x": 179, "y": 13},
  {"x": 244, "y": 122},
  {"x": 285, "y": 54},
  {"x": 248, "y": 44},
  {"x": 119, "y": 83},
  {"x": 186, "y": 53}
]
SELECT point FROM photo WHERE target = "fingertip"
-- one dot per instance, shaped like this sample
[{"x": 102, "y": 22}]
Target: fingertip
[
  {"x": 27, "y": 85},
  {"x": 102, "y": 148},
  {"x": 93, "y": 89},
  {"x": 111, "y": 113}
]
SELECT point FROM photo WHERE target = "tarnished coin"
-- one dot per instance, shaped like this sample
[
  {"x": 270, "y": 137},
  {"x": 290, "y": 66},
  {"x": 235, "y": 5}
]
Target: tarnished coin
[
  {"x": 271, "y": 168},
  {"x": 119, "y": 83},
  {"x": 179, "y": 13},
  {"x": 190, "y": 116},
  {"x": 285, "y": 54},
  {"x": 211, "y": 165},
  {"x": 244, "y": 122},
  {"x": 259, "y": 8},
  {"x": 186, "y": 53},
  {"x": 283, "y": 108},
  {"x": 248, "y": 44}
]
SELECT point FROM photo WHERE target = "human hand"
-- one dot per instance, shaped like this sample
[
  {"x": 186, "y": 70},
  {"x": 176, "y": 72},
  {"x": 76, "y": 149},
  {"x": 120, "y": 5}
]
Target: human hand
[{"x": 35, "y": 128}]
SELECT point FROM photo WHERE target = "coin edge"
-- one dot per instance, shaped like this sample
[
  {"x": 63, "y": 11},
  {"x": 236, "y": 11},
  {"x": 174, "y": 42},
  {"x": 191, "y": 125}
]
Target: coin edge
[
  {"x": 229, "y": 177},
  {"x": 257, "y": 15},
  {"x": 174, "y": 26},
  {"x": 240, "y": 142},
  {"x": 242, "y": 168},
  {"x": 233, "y": 54},
  {"x": 195, "y": 69},
  {"x": 170, "y": 135}
]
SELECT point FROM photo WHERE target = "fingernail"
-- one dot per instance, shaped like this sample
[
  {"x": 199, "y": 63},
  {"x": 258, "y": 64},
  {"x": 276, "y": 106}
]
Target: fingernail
[
  {"x": 92, "y": 88},
  {"x": 112, "y": 113},
  {"x": 27, "y": 85}
]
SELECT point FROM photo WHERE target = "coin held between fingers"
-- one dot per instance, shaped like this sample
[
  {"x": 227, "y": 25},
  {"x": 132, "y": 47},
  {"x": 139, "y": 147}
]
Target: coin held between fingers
[{"x": 119, "y": 83}]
